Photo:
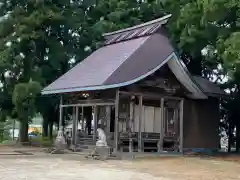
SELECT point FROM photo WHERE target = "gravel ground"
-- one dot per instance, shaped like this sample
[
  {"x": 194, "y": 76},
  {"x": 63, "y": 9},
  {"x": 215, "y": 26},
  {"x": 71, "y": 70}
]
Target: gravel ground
[
  {"x": 52, "y": 169},
  {"x": 65, "y": 167}
]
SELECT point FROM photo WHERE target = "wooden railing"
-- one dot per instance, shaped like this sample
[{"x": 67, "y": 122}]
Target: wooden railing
[{"x": 150, "y": 141}]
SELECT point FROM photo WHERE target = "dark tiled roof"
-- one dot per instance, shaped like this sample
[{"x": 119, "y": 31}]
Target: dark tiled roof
[
  {"x": 114, "y": 65},
  {"x": 128, "y": 56},
  {"x": 209, "y": 87}
]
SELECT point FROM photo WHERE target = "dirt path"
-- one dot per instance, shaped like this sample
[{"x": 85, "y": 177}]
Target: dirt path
[
  {"x": 187, "y": 168},
  {"x": 51, "y": 169},
  {"x": 163, "y": 168}
]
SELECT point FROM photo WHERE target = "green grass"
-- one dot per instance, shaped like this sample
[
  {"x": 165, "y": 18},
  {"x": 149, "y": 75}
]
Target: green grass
[{"x": 41, "y": 141}]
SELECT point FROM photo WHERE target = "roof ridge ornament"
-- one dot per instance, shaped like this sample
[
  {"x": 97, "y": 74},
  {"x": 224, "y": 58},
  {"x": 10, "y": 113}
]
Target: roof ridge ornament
[{"x": 159, "y": 21}]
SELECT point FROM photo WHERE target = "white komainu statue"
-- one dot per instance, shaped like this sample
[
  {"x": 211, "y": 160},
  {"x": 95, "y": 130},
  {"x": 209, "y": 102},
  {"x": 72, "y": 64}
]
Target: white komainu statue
[
  {"x": 60, "y": 142},
  {"x": 101, "y": 150},
  {"x": 102, "y": 138}
]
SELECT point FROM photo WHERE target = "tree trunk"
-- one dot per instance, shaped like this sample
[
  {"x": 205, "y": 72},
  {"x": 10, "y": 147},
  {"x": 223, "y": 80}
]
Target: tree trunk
[
  {"x": 23, "y": 134},
  {"x": 51, "y": 130},
  {"x": 238, "y": 138},
  {"x": 230, "y": 136},
  {"x": 45, "y": 126}
]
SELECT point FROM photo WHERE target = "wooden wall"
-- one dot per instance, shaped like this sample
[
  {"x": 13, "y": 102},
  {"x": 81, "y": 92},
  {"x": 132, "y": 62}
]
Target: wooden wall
[
  {"x": 150, "y": 120},
  {"x": 200, "y": 124}
]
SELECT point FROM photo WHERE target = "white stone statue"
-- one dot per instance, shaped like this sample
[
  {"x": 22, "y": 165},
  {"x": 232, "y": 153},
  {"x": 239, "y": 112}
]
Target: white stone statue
[
  {"x": 60, "y": 142},
  {"x": 102, "y": 139}
]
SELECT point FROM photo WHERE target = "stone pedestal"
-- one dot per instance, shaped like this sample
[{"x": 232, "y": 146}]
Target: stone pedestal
[
  {"x": 103, "y": 152},
  {"x": 60, "y": 142}
]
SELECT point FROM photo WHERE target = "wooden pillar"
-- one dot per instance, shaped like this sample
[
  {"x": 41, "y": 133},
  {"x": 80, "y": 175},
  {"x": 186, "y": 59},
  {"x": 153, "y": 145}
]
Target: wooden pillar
[
  {"x": 95, "y": 123},
  {"x": 74, "y": 126},
  {"x": 116, "y": 129},
  {"x": 160, "y": 144},
  {"x": 176, "y": 121},
  {"x": 61, "y": 114},
  {"x": 13, "y": 129},
  {"x": 108, "y": 119},
  {"x": 140, "y": 124},
  {"x": 130, "y": 125},
  {"x": 83, "y": 125},
  {"x": 181, "y": 127}
]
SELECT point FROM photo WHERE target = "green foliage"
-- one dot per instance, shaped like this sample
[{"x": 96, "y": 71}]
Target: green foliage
[
  {"x": 24, "y": 97},
  {"x": 40, "y": 44},
  {"x": 231, "y": 52},
  {"x": 204, "y": 24},
  {"x": 4, "y": 132}
]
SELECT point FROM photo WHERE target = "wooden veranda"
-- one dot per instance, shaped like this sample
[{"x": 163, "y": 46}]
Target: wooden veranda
[{"x": 134, "y": 137}]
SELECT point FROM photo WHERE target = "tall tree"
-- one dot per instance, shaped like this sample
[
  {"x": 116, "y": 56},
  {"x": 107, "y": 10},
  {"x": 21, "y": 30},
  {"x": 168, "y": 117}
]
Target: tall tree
[
  {"x": 24, "y": 97},
  {"x": 206, "y": 34},
  {"x": 37, "y": 40}
]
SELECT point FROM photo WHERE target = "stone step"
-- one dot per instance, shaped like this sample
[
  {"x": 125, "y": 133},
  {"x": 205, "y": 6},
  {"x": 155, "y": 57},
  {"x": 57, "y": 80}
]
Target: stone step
[
  {"x": 87, "y": 137},
  {"x": 86, "y": 143},
  {"x": 83, "y": 151},
  {"x": 87, "y": 140},
  {"x": 86, "y": 146}
]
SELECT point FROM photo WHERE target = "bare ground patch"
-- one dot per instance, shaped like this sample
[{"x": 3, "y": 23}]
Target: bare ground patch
[
  {"x": 186, "y": 168},
  {"x": 162, "y": 168}
]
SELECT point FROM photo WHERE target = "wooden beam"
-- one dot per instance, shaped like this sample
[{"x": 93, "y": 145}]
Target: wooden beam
[
  {"x": 160, "y": 145},
  {"x": 108, "y": 119},
  {"x": 176, "y": 126},
  {"x": 83, "y": 127},
  {"x": 116, "y": 129},
  {"x": 76, "y": 118},
  {"x": 181, "y": 127},
  {"x": 91, "y": 101},
  {"x": 95, "y": 123},
  {"x": 140, "y": 124},
  {"x": 61, "y": 113},
  {"x": 74, "y": 126},
  {"x": 89, "y": 104},
  {"x": 130, "y": 125},
  {"x": 149, "y": 95}
]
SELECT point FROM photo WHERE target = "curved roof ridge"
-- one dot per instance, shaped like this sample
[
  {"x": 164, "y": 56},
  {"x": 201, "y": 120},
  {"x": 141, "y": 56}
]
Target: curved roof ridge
[
  {"x": 162, "y": 20},
  {"x": 109, "y": 86}
]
